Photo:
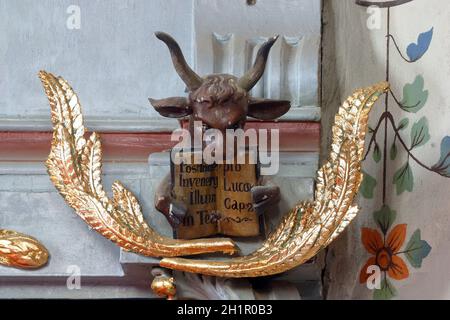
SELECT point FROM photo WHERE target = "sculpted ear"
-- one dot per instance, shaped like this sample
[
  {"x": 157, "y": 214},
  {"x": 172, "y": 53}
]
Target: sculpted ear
[
  {"x": 267, "y": 109},
  {"x": 174, "y": 107}
]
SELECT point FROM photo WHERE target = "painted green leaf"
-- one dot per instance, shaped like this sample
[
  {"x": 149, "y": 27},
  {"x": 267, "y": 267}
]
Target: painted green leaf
[
  {"x": 414, "y": 95},
  {"x": 403, "y": 124},
  {"x": 376, "y": 153},
  {"x": 367, "y": 186},
  {"x": 384, "y": 217},
  {"x": 386, "y": 292},
  {"x": 417, "y": 249},
  {"x": 404, "y": 179},
  {"x": 393, "y": 151},
  {"x": 419, "y": 133},
  {"x": 443, "y": 165}
]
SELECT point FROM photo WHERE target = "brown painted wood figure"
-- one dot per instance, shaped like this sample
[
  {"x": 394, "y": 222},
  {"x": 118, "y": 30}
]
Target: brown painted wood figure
[{"x": 221, "y": 102}]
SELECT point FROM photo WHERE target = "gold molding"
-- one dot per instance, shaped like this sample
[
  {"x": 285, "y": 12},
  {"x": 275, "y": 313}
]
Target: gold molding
[
  {"x": 74, "y": 166},
  {"x": 21, "y": 251}
]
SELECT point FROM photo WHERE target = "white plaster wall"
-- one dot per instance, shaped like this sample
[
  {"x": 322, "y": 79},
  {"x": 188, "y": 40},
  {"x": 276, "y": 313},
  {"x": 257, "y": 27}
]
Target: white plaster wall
[
  {"x": 115, "y": 63},
  {"x": 241, "y": 29},
  {"x": 355, "y": 56}
]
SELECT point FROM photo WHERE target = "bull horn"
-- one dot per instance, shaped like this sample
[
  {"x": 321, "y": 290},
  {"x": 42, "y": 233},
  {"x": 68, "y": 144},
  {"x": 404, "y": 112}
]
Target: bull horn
[
  {"x": 189, "y": 77},
  {"x": 249, "y": 79}
]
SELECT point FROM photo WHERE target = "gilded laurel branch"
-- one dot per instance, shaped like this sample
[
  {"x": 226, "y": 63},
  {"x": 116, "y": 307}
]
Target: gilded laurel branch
[
  {"x": 74, "y": 166},
  {"x": 21, "y": 251},
  {"x": 310, "y": 226}
]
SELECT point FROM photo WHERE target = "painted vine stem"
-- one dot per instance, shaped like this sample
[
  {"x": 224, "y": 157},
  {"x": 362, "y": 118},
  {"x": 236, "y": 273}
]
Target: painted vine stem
[{"x": 414, "y": 99}]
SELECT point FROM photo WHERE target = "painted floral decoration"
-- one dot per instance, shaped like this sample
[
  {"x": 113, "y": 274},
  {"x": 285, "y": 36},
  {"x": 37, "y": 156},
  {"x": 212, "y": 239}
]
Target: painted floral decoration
[
  {"x": 387, "y": 245},
  {"x": 388, "y": 252}
]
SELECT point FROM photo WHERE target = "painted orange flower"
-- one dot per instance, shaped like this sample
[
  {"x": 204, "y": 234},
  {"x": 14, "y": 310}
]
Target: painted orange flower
[{"x": 385, "y": 251}]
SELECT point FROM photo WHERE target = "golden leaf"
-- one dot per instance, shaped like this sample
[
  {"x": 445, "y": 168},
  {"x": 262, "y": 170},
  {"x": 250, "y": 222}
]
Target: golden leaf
[
  {"x": 74, "y": 166},
  {"x": 21, "y": 251}
]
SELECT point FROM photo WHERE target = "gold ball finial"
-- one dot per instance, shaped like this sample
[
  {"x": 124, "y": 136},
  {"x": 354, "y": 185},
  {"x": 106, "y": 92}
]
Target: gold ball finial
[{"x": 163, "y": 284}]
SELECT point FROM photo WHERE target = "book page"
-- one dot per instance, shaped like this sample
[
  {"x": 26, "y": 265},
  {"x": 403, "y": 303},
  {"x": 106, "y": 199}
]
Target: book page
[
  {"x": 195, "y": 185},
  {"x": 234, "y": 200}
]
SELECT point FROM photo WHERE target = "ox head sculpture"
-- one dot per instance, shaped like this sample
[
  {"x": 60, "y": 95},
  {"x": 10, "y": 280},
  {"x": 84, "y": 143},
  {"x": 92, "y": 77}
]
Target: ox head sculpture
[{"x": 219, "y": 101}]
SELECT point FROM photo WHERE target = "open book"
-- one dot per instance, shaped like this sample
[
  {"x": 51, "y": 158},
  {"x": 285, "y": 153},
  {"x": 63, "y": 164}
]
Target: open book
[{"x": 217, "y": 197}]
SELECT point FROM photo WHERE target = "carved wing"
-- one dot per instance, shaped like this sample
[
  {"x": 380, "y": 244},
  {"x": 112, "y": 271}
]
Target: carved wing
[
  {"x": 309, "y": 227},
  {"x": 21, "y": 251},
  {"x": 74, "y": 166}
]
